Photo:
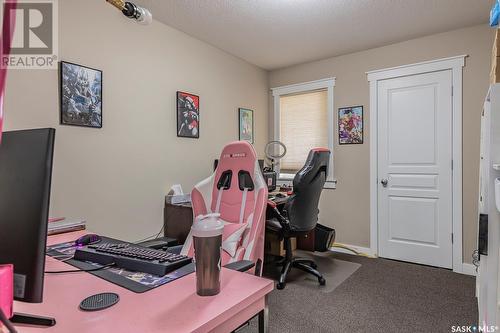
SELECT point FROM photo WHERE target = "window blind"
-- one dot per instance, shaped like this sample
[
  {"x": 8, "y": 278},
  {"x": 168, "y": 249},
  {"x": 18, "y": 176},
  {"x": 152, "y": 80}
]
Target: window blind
[{"x": 303, "y": 125}]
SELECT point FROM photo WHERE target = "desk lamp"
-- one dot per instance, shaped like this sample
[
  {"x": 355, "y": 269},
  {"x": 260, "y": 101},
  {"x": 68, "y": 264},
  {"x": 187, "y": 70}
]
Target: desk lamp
[
  {"x": 273, "y": 154},
  {"x": 275, "y": 150}
]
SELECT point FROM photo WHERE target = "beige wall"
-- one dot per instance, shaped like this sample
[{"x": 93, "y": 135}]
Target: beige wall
[
  {"x": 117, "y": 176},
  {"x": 347, "y": 207}
]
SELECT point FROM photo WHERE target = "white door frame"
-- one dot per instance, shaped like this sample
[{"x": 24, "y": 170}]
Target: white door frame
[{"x": 455, "y": 64}]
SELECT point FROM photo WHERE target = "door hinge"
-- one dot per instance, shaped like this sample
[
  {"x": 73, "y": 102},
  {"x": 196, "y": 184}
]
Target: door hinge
[
  {"x": 451, "y": 238},
  {"x": 451, "y": 90},
  {"x": 451, "y": 164}
]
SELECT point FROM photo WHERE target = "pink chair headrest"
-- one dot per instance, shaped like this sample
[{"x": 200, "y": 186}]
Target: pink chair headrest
[{"x": 237, "y": 155}]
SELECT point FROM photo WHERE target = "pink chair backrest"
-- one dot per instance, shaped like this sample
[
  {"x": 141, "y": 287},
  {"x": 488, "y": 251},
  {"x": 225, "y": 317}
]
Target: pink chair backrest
[{"x": 236, "y": 157}]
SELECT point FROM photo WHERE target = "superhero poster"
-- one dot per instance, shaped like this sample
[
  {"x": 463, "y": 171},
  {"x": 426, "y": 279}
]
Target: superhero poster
[
  {"x": 351, "y": 125},
  {"x": 188, "y": 115},
  {"x": 81, "y": 95}
]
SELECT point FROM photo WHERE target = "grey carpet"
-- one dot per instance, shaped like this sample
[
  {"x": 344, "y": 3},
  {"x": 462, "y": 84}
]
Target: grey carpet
[{"x": 381, "y": 296}]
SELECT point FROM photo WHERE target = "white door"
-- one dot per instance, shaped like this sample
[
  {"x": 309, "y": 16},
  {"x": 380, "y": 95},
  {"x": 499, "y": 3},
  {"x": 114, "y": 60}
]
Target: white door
[{"x": 415, "y": 168}]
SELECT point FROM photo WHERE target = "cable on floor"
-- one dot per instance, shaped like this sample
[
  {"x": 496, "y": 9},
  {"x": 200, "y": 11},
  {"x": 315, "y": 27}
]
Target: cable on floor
[{"x": 361, "y": 254}]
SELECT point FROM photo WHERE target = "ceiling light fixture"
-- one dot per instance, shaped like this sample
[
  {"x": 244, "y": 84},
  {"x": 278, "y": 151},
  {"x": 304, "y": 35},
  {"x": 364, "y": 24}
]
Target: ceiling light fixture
[{"x": 132, "y": 11}]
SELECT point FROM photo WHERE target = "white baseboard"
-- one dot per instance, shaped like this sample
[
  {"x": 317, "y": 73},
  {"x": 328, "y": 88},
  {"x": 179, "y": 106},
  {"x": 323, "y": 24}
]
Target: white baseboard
[
  {"x": 468, "y": 269},
  {"x": 360, "y": 249}
]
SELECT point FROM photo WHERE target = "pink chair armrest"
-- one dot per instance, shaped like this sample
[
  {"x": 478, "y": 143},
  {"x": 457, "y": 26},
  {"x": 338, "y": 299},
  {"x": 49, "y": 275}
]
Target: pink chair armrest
[{"x": 199, "y": 205}]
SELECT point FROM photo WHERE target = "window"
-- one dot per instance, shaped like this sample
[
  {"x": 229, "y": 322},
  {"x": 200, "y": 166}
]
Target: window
[{"x": 303, "y": 119}]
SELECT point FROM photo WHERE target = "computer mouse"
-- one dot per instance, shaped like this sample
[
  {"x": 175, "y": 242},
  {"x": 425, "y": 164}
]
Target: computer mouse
[{"x": 88, "y": 239}]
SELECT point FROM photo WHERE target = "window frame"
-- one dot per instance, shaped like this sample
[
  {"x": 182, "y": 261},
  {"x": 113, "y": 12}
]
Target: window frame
[{"x": 305, "y": 87}]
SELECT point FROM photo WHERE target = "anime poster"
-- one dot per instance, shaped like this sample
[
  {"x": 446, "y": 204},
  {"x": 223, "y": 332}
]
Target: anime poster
[
  {"x": 246, "y": 125},
  {"x": 351, "y": 125},
  {"x": 81, "y": 95},
  {"x": 188, "y": 115}
]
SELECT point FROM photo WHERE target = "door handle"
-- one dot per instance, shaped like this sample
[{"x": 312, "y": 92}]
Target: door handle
[{"x": 384, "y": 182}]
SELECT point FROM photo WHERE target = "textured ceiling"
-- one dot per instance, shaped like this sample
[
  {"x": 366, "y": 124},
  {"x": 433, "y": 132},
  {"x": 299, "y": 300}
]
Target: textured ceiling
[{"x": 278, "y": 33}]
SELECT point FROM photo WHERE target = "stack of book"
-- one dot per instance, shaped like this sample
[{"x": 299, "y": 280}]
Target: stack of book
[{"x": 61, "y": 225}]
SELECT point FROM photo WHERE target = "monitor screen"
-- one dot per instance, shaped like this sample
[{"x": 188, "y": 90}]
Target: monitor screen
[{"x": 25, "y": 177}]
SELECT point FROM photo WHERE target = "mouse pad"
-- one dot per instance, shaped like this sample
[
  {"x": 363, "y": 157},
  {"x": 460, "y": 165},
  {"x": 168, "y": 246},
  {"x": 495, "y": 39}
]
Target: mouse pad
[{"x": 133, "y": 281}]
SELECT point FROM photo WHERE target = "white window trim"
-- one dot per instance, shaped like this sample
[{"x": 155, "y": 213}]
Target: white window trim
[{"x": 327, "y": 84}]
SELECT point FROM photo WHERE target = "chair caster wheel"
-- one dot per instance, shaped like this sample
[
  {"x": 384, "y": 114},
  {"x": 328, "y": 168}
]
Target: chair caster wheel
[
  {"x": 314, "y": 266},
  {"x": 321, "y": 281},
  {"x": 280, "y": 286}
]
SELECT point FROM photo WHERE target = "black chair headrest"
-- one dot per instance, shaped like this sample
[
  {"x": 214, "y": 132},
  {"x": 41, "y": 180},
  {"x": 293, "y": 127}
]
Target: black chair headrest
[{"x": 317, "y": 162}]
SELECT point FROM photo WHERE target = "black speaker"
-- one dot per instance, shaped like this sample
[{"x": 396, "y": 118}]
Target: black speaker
[{"x": 270, "y": 179}]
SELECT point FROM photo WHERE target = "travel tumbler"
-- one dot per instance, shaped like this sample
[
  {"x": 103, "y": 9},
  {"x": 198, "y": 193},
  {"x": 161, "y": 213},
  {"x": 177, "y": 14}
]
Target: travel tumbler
[{"x": 207, "y": 238}]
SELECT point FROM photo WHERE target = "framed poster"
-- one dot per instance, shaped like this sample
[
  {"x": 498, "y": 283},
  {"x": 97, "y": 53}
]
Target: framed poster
[
  {"x": 188, "y": 115},
  {"x": 245, "y": 121},
  {"x": 350, "y": 124},
  {"x": 80, "y": 95}
]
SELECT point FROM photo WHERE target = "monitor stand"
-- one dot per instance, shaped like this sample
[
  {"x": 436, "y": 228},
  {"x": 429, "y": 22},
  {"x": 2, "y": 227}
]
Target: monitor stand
[{"x": 22, "y": 318}]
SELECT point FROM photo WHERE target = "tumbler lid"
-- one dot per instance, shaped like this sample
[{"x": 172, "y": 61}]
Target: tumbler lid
[{"x": 208, "y": 226}]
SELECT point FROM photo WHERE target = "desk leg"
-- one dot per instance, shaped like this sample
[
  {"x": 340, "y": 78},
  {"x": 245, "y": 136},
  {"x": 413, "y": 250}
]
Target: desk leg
[{"x": 264, "y": 319}]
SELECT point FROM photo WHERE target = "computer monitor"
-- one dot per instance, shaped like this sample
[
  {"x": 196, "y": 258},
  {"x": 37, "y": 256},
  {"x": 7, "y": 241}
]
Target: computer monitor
[{"x": 25, "y": 176}]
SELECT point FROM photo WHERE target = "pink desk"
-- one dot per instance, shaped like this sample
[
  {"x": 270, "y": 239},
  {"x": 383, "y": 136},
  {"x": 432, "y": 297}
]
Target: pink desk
[{"x": 173, "y": 307}]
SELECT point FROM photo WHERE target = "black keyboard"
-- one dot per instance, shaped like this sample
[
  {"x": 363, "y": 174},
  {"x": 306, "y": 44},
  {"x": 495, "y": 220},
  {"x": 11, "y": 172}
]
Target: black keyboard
[{"x": 132, "y": 257}]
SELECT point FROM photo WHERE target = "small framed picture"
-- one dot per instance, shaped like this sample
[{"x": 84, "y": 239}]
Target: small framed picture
[
  {"x": 350, "y": 125},
  {"x": 188, "y": 115},
  {"x": 80, "y": 95},
  {"x": 245, "y": 121}
]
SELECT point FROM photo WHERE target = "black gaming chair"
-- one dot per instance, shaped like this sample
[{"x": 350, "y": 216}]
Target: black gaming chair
[{"x": 300, "y": 213}]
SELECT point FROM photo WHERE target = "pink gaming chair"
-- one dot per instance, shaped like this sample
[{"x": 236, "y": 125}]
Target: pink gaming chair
[{"x": 238, "y": 192}]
